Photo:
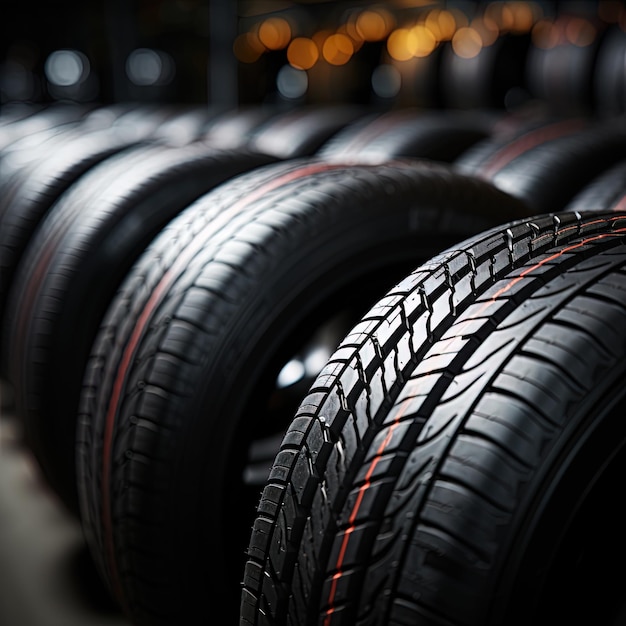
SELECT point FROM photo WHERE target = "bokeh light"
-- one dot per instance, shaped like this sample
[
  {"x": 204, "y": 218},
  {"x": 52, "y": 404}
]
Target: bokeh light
[
  {"x": 425, "y": 41},
  {"x": 386, "y": 81},
  {"x": 580, "y": 32},
  {"x": 441, "y": 23},
  {"x": 148, "y": 67},
  {"x": 338, "y": 49},
  {"x": 248, "y": 48},
  {"x": 374, "y": 24},
  {"x": 570, "y": 30},
  {"x": 545, "y": 34},
  {"x": 522, "y": 17},
  {"x": 291, "y": 83},
  {"x": 302, "y": 53},
  {"x": 486, "y": 28},
  {"x": 66, "y": 68},
  {"x": 402, "y": 44},
  {"x": 275, "y": 33},
  {"x": 467, "y": 43}
]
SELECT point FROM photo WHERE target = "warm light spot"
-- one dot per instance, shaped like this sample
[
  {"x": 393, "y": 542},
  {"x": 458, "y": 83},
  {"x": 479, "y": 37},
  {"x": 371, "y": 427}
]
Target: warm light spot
[
  {"x": 338, "y": 49},
  {"x": 460, "y": 17},
  {"x": 502, "y": 14},
  {"x": 373, "y": 25},
  {"x": 355, "y": 38},
  {"x": 507, "y": 17},
  {"x": 523, "y": 18},
  {"x": 545, "y": 34},
  {"x": 467, "y": 43},
  {"x": 248, "y": 47},
  {"x": 370, "y": 25},
  {"x": 302, "y": 53},
  {"x": 580, "y": 32},
  {"x": 487, "y": 29},
  {"x": 352, "y": 31},
  {"x": 402, "y": 44},
  {"x": 425, "y": 42},
  {"x": 320, "y": 37},
  {"x": 275, "y": 33},
  {"x": 441, "y": 23}
]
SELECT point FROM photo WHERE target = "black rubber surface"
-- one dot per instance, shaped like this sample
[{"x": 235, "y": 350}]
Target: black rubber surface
[
  {"x": 547, "y": 162},
  {"x": 50, "y": 162},
  {"x": 605, "y": 192},
  {"x": 561, "y": 63},
  {"x": 493, "y": 79},
  {"x": 37, "y": 185},
  {"x": 70, "y": 270},
  {"x": 182, "y": 379},
  {"x": 609, "y": 76},
  {"x": 302, "y": 131},
  {"x": 31, "y": 119},
  {"x": 410, "y": 132},
  {"x": 453, "y": 460}
]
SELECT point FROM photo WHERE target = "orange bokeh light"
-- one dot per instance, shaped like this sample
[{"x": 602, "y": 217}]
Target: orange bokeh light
[
  {"x": 275, "y": 33},
  {"x": 441, "y": 23},
  {"x": 402, "y": 44},
  {"x": 467, "y": 43},
  {"x": 248, "y": 48},
  {"x": 580, "y": 32},
  {"x": 302, "y": 53},
  {"x": 487, "y": 29},
  {"x": 337, "y": 49},
  {"x": 425, "y": 41},
  {"x": 373, "y": 25}
]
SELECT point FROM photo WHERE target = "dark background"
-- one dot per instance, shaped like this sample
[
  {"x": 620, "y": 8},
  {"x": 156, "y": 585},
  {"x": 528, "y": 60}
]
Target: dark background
[{"x": 198, "y": 37}]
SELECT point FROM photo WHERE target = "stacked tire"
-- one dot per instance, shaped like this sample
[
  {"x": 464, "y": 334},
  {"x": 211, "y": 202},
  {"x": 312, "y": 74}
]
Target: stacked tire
[
  {"x": 454, "y": 461},
  {"x": 83, "y": 224},
  {"x": 391, "y": 343}
]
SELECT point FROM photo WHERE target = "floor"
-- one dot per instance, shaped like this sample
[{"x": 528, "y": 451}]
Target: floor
[{"x": 46, "y": 575}]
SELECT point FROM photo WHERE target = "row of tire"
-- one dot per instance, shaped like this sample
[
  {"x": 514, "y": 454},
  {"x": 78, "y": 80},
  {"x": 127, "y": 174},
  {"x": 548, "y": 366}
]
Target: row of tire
[
  {"x": 391, "y": 343},
  {"x": 570, "y": 60}
]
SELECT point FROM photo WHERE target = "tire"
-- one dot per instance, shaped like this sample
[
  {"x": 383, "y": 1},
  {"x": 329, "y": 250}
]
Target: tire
[
  {"x": 26, "y": 148},
  {"x": 453, "y": 461},
  {"x": 609, "y": 78},
  {"x": 57, "y": 164},
  {"x": 607, "y": 192},
  {"x": 513, "y": 134},
  {"x": 182, "y": 378},
  {"x": 11, "y": 114},
  {"x": 561, "y": 63},
  {"x": 42, "y": 118},
  {"x": 547, "y": 165},
  {"x": 36, "y": 186},
  {"x": 38, "y": 139},
  {"x": 494, "y": 79},
  {"x": 233, "y": 129},
  {"x": 179, "y": 125},
  {"x": 301, "y": 132},
  {"x": 69, "y": 272},
  {"x": 171, "y": 124},
  {"x": 437, "y": 135}
]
